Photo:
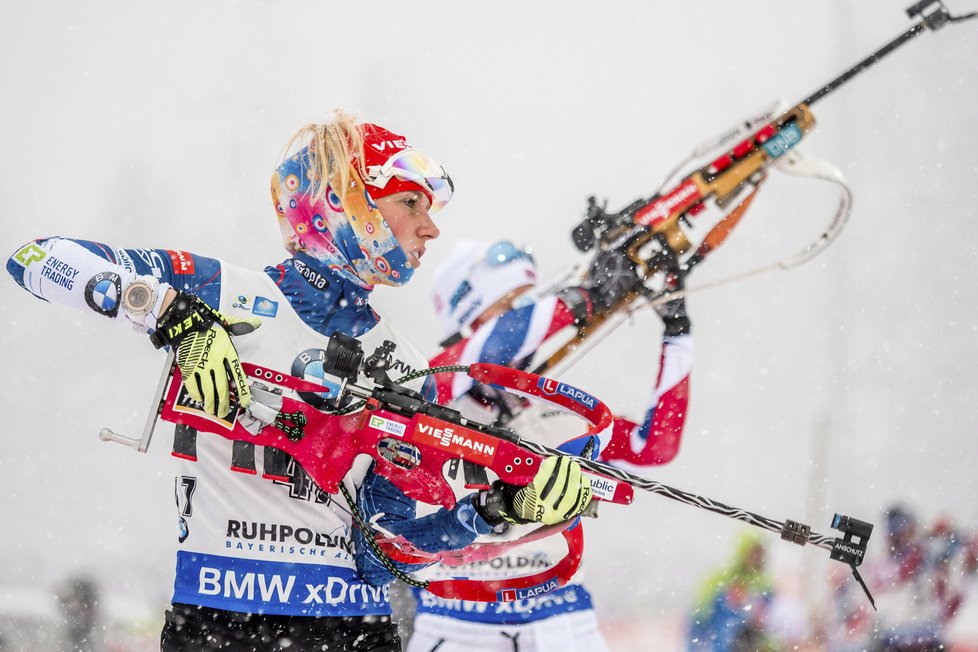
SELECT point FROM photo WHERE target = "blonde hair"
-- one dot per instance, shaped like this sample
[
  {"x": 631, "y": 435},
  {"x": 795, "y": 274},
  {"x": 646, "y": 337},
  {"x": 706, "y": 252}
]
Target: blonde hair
[{"x": 329, "y": 147}]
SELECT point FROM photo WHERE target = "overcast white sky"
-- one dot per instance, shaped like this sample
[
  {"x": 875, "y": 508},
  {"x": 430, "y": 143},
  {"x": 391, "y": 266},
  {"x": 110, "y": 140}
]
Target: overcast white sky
[{"x": 143, "y": 124}]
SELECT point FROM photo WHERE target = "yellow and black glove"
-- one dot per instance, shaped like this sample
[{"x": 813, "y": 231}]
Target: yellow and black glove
[
  {"x": 559, "y": 491},
  {"x": 208, "y": 360}
]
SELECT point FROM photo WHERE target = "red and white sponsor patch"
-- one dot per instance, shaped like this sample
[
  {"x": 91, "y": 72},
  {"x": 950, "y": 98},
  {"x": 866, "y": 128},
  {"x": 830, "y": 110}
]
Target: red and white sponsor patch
[
  {"x": 684, "y": 196},
  {"x": 458, "y": 440},
  {"x": 183, "y": 262}
]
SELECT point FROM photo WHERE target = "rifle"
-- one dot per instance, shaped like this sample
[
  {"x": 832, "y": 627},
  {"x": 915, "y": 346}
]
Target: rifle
[
  {"x": 652, "y": 235},
  {"x": 411, "y": 439}
]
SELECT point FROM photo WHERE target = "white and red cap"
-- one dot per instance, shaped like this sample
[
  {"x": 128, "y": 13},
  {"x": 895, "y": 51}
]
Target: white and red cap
[{"x": 394, "y": 166}]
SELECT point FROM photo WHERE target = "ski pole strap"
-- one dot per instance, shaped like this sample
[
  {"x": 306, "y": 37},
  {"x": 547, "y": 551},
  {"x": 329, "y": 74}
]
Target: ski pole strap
[{"x": 186, "y": 314}]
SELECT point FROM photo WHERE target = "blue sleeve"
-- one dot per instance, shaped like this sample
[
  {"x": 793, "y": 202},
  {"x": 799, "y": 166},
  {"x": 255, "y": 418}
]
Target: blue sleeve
[
  {"x": 91, "y": 275},
  {"x": 429, "y": 389},
  {"x": 586, "y": 446},
  {"x": 383, "y": 503},
  {"x": 508, "y": 336}
]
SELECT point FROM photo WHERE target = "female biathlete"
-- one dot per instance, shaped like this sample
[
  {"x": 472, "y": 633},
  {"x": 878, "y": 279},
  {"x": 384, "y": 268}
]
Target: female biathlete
[{"x": 264, "y": 560}]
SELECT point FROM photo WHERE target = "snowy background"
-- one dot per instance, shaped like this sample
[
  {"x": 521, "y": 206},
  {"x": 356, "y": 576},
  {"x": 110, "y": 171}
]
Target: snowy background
[{"x": 840, "y": 386}]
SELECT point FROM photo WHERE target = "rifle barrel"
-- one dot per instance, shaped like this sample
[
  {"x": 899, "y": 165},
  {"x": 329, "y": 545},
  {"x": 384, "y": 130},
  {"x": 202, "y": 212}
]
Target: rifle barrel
[
  {"x": 917, "y": 29},
  {"x": 652, "y": 486}
]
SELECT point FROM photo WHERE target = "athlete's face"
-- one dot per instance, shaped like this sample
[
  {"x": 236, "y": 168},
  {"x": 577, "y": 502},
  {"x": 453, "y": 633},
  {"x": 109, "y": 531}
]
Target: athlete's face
[{"x": 406, "y": 213}]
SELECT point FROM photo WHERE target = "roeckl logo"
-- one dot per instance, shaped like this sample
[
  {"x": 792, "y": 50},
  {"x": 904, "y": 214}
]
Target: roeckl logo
[
  {"x": 208, "y": 343},
  {"x": 239, "y": 377},
  {"x": 469, "y": 444},
  {"x": 662, "y": 208}
]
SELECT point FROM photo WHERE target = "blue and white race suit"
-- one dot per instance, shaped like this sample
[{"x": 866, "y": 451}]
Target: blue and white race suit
[
  {"x": 247, "y": 543},
  {"x": 563, "y": 620}
]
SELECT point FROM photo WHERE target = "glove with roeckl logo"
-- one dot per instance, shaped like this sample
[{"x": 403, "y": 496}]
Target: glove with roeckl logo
[
  {"x": 559, "y": 491},
  {"x": 207, "y": 359}
]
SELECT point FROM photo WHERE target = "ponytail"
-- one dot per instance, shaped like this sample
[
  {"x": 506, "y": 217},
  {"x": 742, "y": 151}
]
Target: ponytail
[{"x": 329, "y": 147}]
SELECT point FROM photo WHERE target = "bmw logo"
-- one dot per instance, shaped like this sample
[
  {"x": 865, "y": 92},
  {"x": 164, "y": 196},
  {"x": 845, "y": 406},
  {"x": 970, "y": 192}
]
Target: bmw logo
[
  {"x": 308, "y": 365},
  {"x": 102, "y": 293},
  {"x": 184, "y": 529}
]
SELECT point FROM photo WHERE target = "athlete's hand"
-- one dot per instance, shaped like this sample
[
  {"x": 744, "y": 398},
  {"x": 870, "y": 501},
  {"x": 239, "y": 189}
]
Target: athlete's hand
[
  {"x": 673, "y": 313},
  {"x": 210, "y": 366},
  {"x": 559, "y": 491},
  {"x": 208, "y": 361}
]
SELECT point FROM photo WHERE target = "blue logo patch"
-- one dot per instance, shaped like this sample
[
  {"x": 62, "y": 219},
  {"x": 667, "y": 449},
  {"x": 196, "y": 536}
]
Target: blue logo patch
[
  {"x": 265, "y": 307},
  {"x": 460, "y": 293},
  {"x": 510, "y": 595},
  {"x": 551, "y": 387},
  {"x": 786, "y": 138},
  {"x": 308, "y": 365},
  {"x": 104, "y": 295},
  {"x": 315, "y": 373}
]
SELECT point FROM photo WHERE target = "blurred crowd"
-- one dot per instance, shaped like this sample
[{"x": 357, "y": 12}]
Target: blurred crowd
[
  {"x": 71, "y": 616},
  {"x": 920, "y": 584}
]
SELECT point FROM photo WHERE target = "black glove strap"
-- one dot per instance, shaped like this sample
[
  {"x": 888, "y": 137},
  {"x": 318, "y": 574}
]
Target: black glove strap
[
  {"x": 186, "y": 314},
  {"x": 495, "y": 505}
]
